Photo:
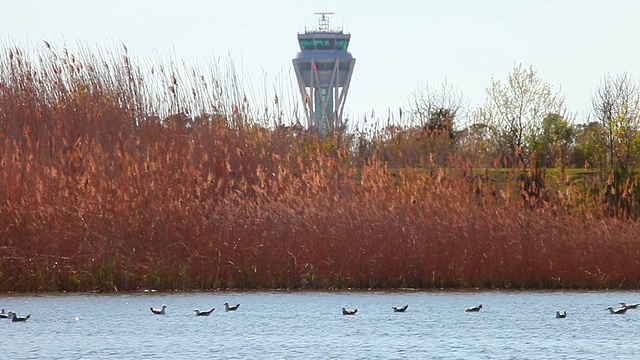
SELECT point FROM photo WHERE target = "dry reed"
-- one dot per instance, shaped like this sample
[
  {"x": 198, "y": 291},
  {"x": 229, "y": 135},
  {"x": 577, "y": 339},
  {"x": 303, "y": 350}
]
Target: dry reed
[{"x": 116, "y": 176}]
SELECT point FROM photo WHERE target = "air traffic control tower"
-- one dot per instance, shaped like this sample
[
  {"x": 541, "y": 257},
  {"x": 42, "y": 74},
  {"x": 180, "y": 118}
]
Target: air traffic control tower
[{"x": 323, "y": 69}]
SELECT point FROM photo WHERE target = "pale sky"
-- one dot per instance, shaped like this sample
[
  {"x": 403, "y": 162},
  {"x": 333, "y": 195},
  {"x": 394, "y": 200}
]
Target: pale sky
[{"x": 398, "y": 44}]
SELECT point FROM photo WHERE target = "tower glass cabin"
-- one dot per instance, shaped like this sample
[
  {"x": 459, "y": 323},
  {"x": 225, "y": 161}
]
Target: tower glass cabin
[{"x": 323, "y": 68}]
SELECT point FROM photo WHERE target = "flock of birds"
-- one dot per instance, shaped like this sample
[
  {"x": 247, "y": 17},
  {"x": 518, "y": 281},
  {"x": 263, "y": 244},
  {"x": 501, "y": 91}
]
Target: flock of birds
[
  {"x": 563, "y": 314},
  {"x": 227, "y": 307},
  {"x": 476, "y": 308},
  {"x": 233, "y": 307},
  {"x": 345, "y": 311},
  {"x": 623, "y": 308},
  {"x": 13, "y": 316}
]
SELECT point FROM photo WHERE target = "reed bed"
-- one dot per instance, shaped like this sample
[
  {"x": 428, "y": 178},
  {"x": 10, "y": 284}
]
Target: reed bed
[{"x": 116, "y": 176}]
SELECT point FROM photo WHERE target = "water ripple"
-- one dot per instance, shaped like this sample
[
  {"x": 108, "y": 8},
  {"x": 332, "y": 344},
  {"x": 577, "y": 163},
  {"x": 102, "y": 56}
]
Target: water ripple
[{"x": 310, "y": 325}]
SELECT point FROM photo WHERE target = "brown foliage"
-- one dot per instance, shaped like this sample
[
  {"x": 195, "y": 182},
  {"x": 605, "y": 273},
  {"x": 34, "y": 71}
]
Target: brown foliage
[{"x": 98, "y": 191}]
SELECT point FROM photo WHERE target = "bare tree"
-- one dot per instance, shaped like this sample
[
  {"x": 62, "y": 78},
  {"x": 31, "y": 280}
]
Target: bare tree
[
  {"x": 430, "y": 105},
  {"x": 433, "y": 114},
  {"x": 616, "y": 106}
]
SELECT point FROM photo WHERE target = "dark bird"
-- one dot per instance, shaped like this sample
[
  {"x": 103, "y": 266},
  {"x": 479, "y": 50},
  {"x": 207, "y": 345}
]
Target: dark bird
[
  {"x": 16, "y": 318},
  {"x": 561, "y": 315},
  {"x": 629, "y": 306},
  {"x": 346, "y": 311},
  {"x": 400, "y": 308},
  {"x": 473, "y": 308},
  {"x": 204, "y": 312},
  {"x": 620, "y": 310},
  {"x": 159, "y": 311},
  {"x": 228, "y": 307},
  {"x": 3, "y": 315}
]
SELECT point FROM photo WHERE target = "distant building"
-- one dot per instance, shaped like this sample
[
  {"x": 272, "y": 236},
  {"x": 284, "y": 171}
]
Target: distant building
[{"x": 323, "y": 69}]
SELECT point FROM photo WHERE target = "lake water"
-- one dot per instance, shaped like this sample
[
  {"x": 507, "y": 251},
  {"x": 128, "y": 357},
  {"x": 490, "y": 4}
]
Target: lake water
[{"x": 310, "y": 325}]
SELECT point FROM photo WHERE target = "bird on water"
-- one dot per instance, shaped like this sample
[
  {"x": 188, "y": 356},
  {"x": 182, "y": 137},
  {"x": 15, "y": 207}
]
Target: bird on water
[
  {"x": 629, "y": 306},
  {"x": 228, "y": 307},
  {"x": 204, "y": 312},
  {"x": 473, "y": 308},
  {"x": 159, "y": 311},
  {"x": 400, "y": 308},
  {"x": 620, "y": 310},
  {"x": 346, "y": 311},
  {"x": 15, "y": 318}
]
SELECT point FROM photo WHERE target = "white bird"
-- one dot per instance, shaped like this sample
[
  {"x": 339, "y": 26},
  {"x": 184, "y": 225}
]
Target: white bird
[
  {"x": 561, "y": 315},
  {"x": 204, "y": 312},
  {"x": 15, "y": 318},
  {"x": 159, "y": 311},
  {"x": 228, "y": 307},
  {"x": 620, "y": 310},
  {"x": 346, "y": 311},
  {"x": 400, "y": 308},
  {"x": 473, "y": 308},
  {"x": 629, "y": 306},
  {"x": 3, "y": 315}
]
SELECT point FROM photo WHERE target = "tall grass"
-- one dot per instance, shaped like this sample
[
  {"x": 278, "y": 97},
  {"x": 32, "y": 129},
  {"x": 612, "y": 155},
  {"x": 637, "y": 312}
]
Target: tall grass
[{"x": 120, "y": 176}]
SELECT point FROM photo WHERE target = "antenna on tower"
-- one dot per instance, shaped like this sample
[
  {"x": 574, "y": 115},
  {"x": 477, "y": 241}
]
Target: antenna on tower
[{"x": 323, "y": 21}]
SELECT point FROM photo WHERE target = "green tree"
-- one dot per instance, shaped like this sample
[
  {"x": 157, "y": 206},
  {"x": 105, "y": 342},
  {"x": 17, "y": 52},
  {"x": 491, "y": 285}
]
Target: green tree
[
  {"x": 588, "y": 151},
  {"x": 515, "y": 110},
  {"x": 552, "y": 147},
  {"x": 474, "y": 143}
]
